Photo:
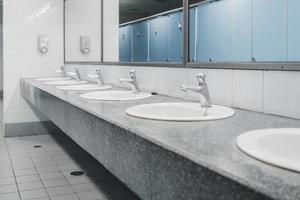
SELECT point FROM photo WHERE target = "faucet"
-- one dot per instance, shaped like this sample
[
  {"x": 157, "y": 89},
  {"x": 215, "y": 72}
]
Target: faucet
[
  {"x": 202, "y": 89},
  {"x": 75, "y": 74},
  {"x": 61, "y": 70},
  {"x": 99, "y": 77},
  {"x": 132, "y": 81}
]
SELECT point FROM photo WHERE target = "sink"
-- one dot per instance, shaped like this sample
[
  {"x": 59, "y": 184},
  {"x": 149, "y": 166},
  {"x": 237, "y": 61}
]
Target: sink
[
  {"x": 85, "y": 87},
  {"x": 115, "y": 95},
  {"x": 179, "y": 112},
  {"x": 66, "y": 82},
  {"x": 279, "y": 147},
  {"x": 53, "y": 79}
]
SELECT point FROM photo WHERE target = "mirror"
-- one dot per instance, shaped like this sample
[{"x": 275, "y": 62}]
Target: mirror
[
  {"x": 244, "y": 31},
  {"x": 82, "y": 31},
  {"x": 148, "y": 31}
]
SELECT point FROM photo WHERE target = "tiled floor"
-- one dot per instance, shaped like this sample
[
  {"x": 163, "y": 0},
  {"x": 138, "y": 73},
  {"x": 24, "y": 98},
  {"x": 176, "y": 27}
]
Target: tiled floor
[{"x": 44, "y": 173}]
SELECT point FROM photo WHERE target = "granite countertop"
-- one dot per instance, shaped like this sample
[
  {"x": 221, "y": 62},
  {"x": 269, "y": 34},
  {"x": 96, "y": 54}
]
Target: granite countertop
[{"x": 210, "y": 144}]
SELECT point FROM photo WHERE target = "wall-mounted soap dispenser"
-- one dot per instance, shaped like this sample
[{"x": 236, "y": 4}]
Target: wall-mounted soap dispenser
[
  {"x": 85, "y": 44},
  {"x": 43, "y": 43}
]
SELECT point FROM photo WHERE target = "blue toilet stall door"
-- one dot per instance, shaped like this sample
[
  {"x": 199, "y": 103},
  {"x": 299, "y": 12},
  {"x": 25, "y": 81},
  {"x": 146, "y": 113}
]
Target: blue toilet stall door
[
  {"x": 175, "y": 37},
  {"x": 158, "y": 39},
  {"x": 125, "y": 50},
  {"x": 203, "y": 33},
  {"x": 293, "y": 30},
  {"x": 269, "y": 30},
  {"x": 140, "y": 41},
  {"x": 224, "y": 31}
]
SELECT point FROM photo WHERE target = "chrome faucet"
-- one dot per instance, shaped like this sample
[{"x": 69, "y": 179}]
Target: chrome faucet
[
  {"x": 202, "y": 89},
  {"x": 98, "y": 76},
  {"x": 61, "y": 70},
  {"x": 132, "y": 81},
  {"x": 75, "y": 74}
]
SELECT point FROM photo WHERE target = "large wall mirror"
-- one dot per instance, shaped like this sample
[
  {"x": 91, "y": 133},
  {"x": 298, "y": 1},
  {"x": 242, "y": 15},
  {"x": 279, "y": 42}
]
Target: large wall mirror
[
  {"x": 149, "y": 31},
  {"x": 82, "y": 31},
  {"x": 252, "y": 31},
  {"x": 248, "y": 34}
]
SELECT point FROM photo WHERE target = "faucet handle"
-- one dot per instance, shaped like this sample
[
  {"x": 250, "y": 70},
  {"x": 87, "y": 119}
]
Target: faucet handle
[
  {"x": 76, "y": 69},
  {"x": 132, "y": 73},
  {"x": 201, "y": 77},
  {"x": 99, "y": 72}
]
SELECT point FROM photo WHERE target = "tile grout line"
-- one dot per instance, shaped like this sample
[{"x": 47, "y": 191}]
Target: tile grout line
[
  {"x": 10, "y": 160},
  {"x": 29, "y": 154},
  {"x": 61, "y": 172},
  {"x": 35, "y": 169}
]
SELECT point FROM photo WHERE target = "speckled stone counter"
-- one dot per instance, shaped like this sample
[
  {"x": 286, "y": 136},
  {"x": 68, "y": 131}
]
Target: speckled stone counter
[{"x": 168, "y": 160}]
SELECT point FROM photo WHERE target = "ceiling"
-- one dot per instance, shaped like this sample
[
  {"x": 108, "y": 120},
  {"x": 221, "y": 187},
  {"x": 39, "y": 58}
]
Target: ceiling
[{"x": 135, "y": 9}]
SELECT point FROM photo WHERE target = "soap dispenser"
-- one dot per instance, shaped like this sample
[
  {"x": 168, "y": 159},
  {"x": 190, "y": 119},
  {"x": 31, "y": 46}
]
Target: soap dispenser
[
  {"x": 43, "y": 43},
  {"x": 85, "y": 44}
]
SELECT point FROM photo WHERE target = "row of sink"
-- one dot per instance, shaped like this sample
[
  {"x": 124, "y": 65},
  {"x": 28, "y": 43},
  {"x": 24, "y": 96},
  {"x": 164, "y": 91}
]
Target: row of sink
[
  {"x": 279, "y": 147},
  {"x": 172, "y": 111}
]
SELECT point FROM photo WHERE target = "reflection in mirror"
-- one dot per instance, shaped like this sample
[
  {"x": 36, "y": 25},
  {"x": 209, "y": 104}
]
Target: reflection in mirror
[
  {"x": 244, "y": 31},
  {"x": 83, "y": 31},
  {"x": 150, "y": 31}
]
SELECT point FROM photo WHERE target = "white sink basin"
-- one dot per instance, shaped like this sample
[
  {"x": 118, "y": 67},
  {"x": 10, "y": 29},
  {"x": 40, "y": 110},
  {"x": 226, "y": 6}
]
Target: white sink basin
[
  {"x": 85, "y": 87},
  {"x": 279, "y": 147},
  {"x": 66, "y": 82},
  {"x": 115, "y": 95},
  {"x": 179, "y": 112},
  {"x": 53, "y": 79}
]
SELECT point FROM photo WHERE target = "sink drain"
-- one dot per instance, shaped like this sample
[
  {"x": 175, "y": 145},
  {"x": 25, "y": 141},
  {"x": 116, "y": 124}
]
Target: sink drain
[
  {"x": 77, "y": 173},
  {"x": 37, "y": 146}
]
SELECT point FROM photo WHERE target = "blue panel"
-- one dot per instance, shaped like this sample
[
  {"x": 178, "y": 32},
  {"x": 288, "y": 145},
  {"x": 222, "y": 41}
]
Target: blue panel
[
  {"x": 125, "y": 49},
  {"x": 203, "y": 20},
  {"x": 242, "y": 28},
  {"x": 293, "y": 30},
  {"x": 158, "y": 39},
  {"x": 140, "y": 41},
  {"x": 192, "y": 35},
  {"x": 269, "y": 30},
  {"x": 220, "y": 30},
  {"x": 175, "y": 37}
]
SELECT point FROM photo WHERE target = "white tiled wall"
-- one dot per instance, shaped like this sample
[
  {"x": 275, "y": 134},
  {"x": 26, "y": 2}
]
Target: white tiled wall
[
  {"x": 23, "y": 21},
  {"x": 83, "y": 18},
  {"x": 1, "y": 56},
  {"x": 111, "y": 30},
  {"x": 262, "y": 91}
]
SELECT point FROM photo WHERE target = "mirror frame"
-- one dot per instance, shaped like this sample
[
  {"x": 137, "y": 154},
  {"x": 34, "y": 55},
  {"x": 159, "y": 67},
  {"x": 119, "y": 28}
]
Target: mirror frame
[{"x": 276, "y": 66}]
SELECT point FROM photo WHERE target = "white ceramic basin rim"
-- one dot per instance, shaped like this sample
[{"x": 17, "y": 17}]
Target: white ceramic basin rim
[
  {"x": 53, "y": 79},
  {"x": 279, "y": 147},
  {"x": 85, "y": 87},
  {"x": 115, "y": 95},
  {"x": 179, "y": 112},
  {"x": 66, "y": 82}
]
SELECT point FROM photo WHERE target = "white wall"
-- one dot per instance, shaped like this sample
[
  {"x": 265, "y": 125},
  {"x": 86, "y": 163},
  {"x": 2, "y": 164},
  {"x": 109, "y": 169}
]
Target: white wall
[
  {"x": 22, "y": 22},
  {"x": 111, "y": 30},
  {"x": 1, "y": 57},
  {"x": 83, "y": 18}
]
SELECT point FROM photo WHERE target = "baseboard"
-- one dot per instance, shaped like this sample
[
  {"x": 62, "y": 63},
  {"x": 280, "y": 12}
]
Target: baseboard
[{"x": 29, "y": 128}]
